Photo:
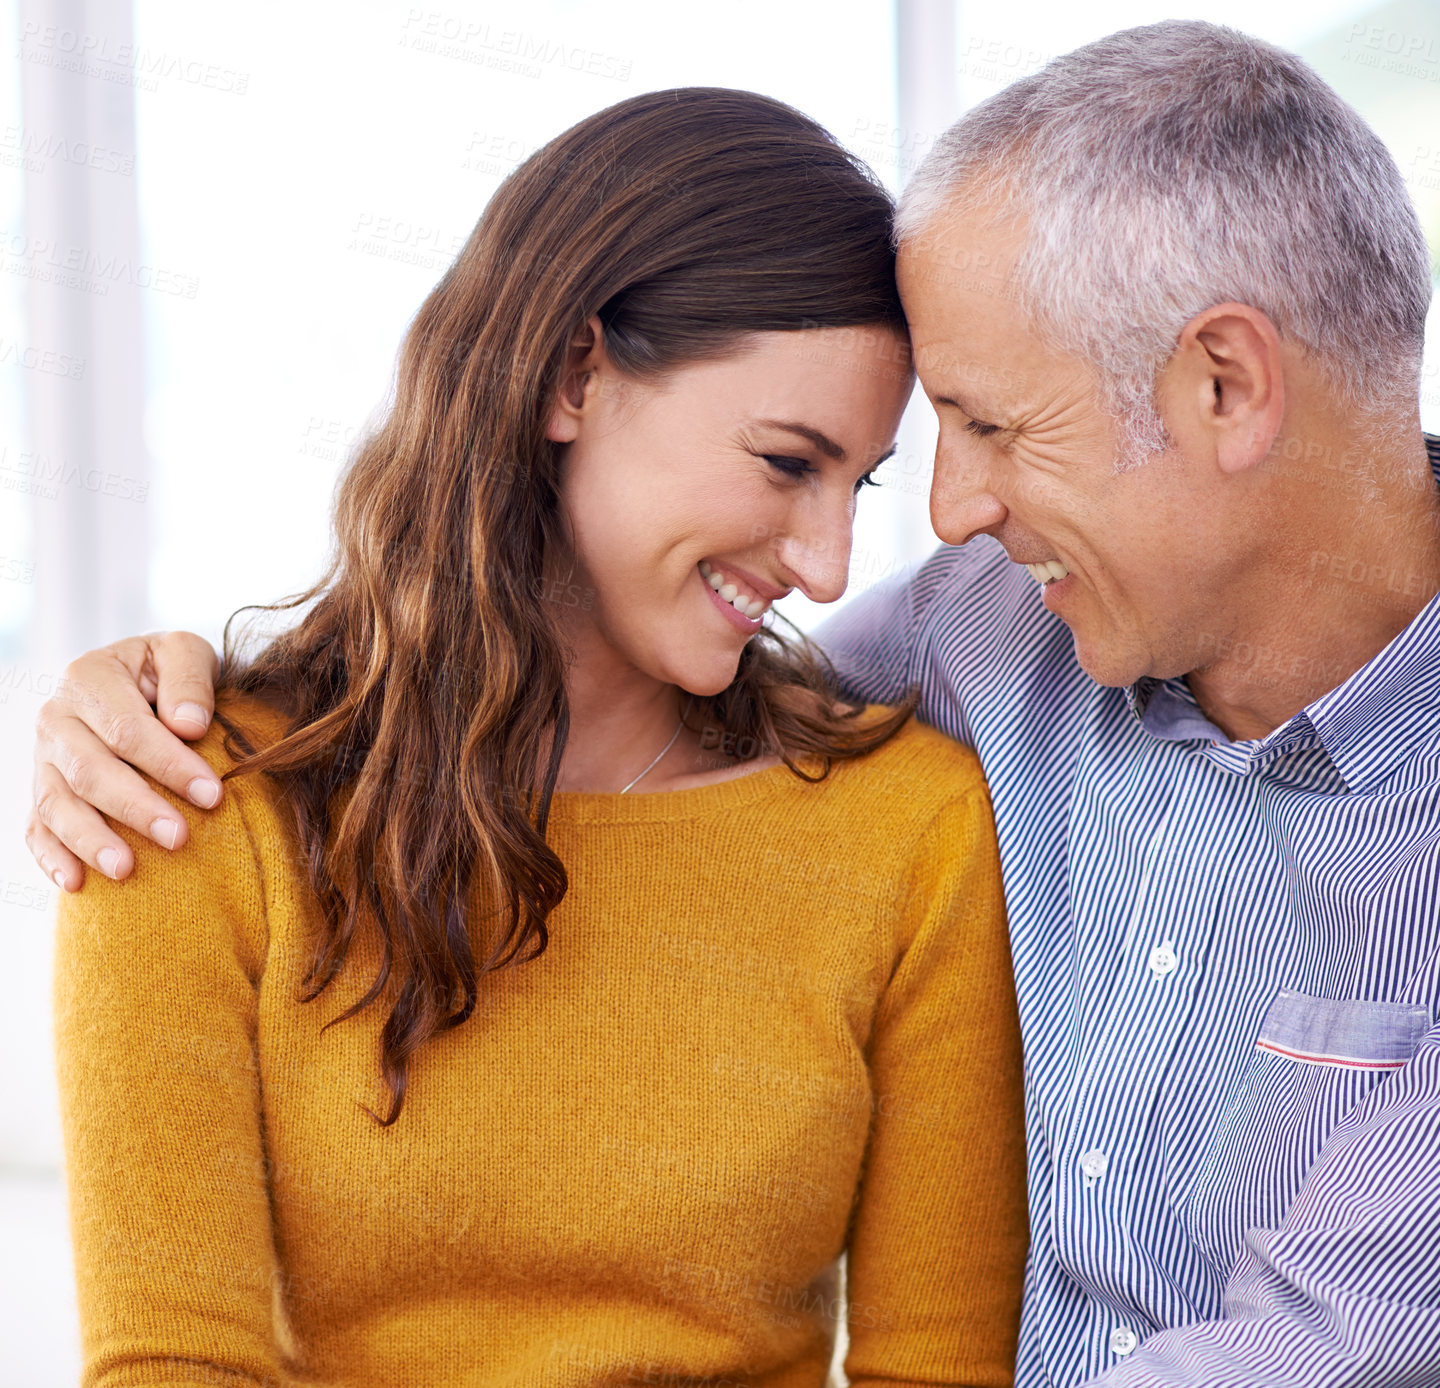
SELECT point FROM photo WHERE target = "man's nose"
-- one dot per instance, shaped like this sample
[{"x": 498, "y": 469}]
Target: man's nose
[{"x": 963, "y": 503}]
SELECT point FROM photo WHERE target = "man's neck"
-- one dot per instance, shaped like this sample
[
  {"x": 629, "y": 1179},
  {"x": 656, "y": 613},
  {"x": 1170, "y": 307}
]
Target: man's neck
[{"x": 1364, "y": 572}]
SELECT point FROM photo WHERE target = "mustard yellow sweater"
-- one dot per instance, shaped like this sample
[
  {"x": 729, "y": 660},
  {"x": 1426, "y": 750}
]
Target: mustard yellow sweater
[{"x": 775, "y": 1023}]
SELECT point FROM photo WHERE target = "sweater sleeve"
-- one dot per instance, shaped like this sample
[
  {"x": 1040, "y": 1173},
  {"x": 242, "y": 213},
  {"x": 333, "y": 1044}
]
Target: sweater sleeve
[
  {"x": 156, "y": 987},
  {"x": 937, "y": 1250}
]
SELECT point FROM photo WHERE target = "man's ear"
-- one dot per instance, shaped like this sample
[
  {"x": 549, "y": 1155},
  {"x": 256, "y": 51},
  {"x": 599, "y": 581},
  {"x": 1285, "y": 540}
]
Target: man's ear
[
  {"x": 577, "y": 382},
  {"x": 1223, "y": 389}
]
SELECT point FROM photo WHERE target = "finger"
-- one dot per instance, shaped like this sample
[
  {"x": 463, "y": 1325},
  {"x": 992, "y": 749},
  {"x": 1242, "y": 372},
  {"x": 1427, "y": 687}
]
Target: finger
[
  {"x": 100, "y": 694},
  {"x": 79, "y": 826},
  {"x": 56, "y": 861},
  {"x": 74, "y": 789},
  {"x": 185, "y": 669}
]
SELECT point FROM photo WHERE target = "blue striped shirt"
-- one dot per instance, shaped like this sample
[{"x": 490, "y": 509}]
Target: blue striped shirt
[{"x": 1227, "y": 956}]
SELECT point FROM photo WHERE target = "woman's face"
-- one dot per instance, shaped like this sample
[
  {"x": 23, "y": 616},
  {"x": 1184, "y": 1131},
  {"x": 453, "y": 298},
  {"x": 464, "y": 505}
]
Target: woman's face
[{"x": 740, "y": 474}]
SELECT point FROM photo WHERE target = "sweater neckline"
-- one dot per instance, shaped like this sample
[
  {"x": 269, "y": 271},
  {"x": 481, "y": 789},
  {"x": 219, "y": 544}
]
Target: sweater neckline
[{"x": 689, "y": 802}]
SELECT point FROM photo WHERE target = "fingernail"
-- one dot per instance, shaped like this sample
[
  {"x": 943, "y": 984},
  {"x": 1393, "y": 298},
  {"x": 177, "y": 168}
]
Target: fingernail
[
  {"x": 192, "y": 713},
  {"x": 204, "y": 793},
  {"x": 59, "y": 879},
  {"x": 164, "y": 832},
  {"x": 109, "y": 861}
]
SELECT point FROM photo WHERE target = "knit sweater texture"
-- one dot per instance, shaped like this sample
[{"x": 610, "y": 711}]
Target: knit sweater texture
[{"x": 774, "y": 1024}]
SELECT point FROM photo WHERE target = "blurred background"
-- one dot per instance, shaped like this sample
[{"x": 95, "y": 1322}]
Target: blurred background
[{"x": 215, "y": 225}]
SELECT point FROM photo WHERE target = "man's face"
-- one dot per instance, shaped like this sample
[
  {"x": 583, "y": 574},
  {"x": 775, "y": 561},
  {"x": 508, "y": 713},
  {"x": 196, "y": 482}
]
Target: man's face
[{"x": 1027, "y": 454}]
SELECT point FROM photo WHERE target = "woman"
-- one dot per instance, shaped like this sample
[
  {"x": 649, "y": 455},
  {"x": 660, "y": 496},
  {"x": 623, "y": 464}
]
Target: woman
[{"x": 581, "y": 979}]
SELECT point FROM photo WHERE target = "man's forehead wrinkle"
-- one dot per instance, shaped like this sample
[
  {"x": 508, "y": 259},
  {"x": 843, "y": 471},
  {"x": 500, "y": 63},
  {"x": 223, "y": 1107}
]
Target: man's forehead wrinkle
[
  {"x": 1019, "y": 399},
  {"x": 960, "y": 263},
  {"x": 968, "y": 361},
  {"x": 950, "y": 378}
]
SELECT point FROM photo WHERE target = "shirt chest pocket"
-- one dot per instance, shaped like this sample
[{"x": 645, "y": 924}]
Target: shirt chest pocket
[{"x": 1313, "y": 1060}]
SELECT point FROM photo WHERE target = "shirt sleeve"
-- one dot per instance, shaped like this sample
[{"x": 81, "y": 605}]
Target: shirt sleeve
[
  {"x": 871, "y": 640},
  {"x": 937, "y": 1250},
  {"x": 156, "y": 987},
  {"x": 1347, "y": 1289}
]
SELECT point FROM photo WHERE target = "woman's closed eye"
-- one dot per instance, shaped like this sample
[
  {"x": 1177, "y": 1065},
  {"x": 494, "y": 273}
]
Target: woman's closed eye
[
  {"x": 981, "y": 431},
  {"x": 791, "y": 467},
  {"x": 798, "y": 467}
]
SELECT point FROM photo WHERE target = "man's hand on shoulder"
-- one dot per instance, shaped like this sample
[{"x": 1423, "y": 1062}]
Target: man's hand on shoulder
[{"x": 99, "y": 732}]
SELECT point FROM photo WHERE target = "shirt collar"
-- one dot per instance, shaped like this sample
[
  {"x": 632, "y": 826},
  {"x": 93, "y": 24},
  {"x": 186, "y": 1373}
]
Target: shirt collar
[{"x": 1366, "y": 726}]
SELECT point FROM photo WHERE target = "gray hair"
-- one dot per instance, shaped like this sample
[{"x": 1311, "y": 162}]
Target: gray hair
[{"x": 1166, "y": 169}]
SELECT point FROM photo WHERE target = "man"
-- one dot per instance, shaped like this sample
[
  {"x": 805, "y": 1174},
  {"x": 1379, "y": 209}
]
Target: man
[{"x": 1167, "y": 297}]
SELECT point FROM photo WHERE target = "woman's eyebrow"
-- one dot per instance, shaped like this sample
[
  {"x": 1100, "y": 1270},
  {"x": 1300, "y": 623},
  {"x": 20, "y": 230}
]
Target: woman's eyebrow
[{"x": 821, "y": 440}]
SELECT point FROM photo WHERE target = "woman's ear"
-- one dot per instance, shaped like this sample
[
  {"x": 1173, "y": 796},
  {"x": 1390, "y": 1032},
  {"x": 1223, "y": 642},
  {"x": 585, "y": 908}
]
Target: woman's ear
[{"x": 577, "y": 392}]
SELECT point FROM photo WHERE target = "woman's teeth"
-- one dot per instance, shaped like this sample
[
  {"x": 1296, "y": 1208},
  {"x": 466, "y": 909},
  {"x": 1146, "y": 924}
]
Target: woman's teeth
[
  {"x": 1050, "y": 571},
  {"x": 741, "y": 601}
]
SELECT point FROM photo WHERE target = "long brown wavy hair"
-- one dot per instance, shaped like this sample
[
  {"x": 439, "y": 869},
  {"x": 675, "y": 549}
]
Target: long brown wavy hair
[{"x": 426, "y": 681}]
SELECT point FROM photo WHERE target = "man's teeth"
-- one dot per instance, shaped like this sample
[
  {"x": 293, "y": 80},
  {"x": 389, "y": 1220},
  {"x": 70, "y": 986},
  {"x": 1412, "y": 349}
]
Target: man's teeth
[
  {"x": 1048, "y": 572},
  {"x": 742, "y": 602}
]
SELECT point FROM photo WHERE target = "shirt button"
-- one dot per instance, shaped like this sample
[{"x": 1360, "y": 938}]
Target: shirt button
[
  {"x": 1122, "y": 1340},
  {"x": 1094, "y": 1164},
  {"x": 1163, "y": 960}
]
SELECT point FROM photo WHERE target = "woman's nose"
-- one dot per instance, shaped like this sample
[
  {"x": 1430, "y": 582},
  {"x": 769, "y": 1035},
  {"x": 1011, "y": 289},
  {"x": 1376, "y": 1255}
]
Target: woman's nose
[{"x": 815, "y": 550}]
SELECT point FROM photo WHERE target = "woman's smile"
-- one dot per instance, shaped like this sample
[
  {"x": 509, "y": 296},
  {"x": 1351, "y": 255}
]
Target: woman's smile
[{"x": 738, "y": 595}]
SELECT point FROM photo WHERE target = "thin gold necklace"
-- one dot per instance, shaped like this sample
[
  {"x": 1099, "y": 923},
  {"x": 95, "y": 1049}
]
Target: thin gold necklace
[{"x": 664, "y": 749}]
